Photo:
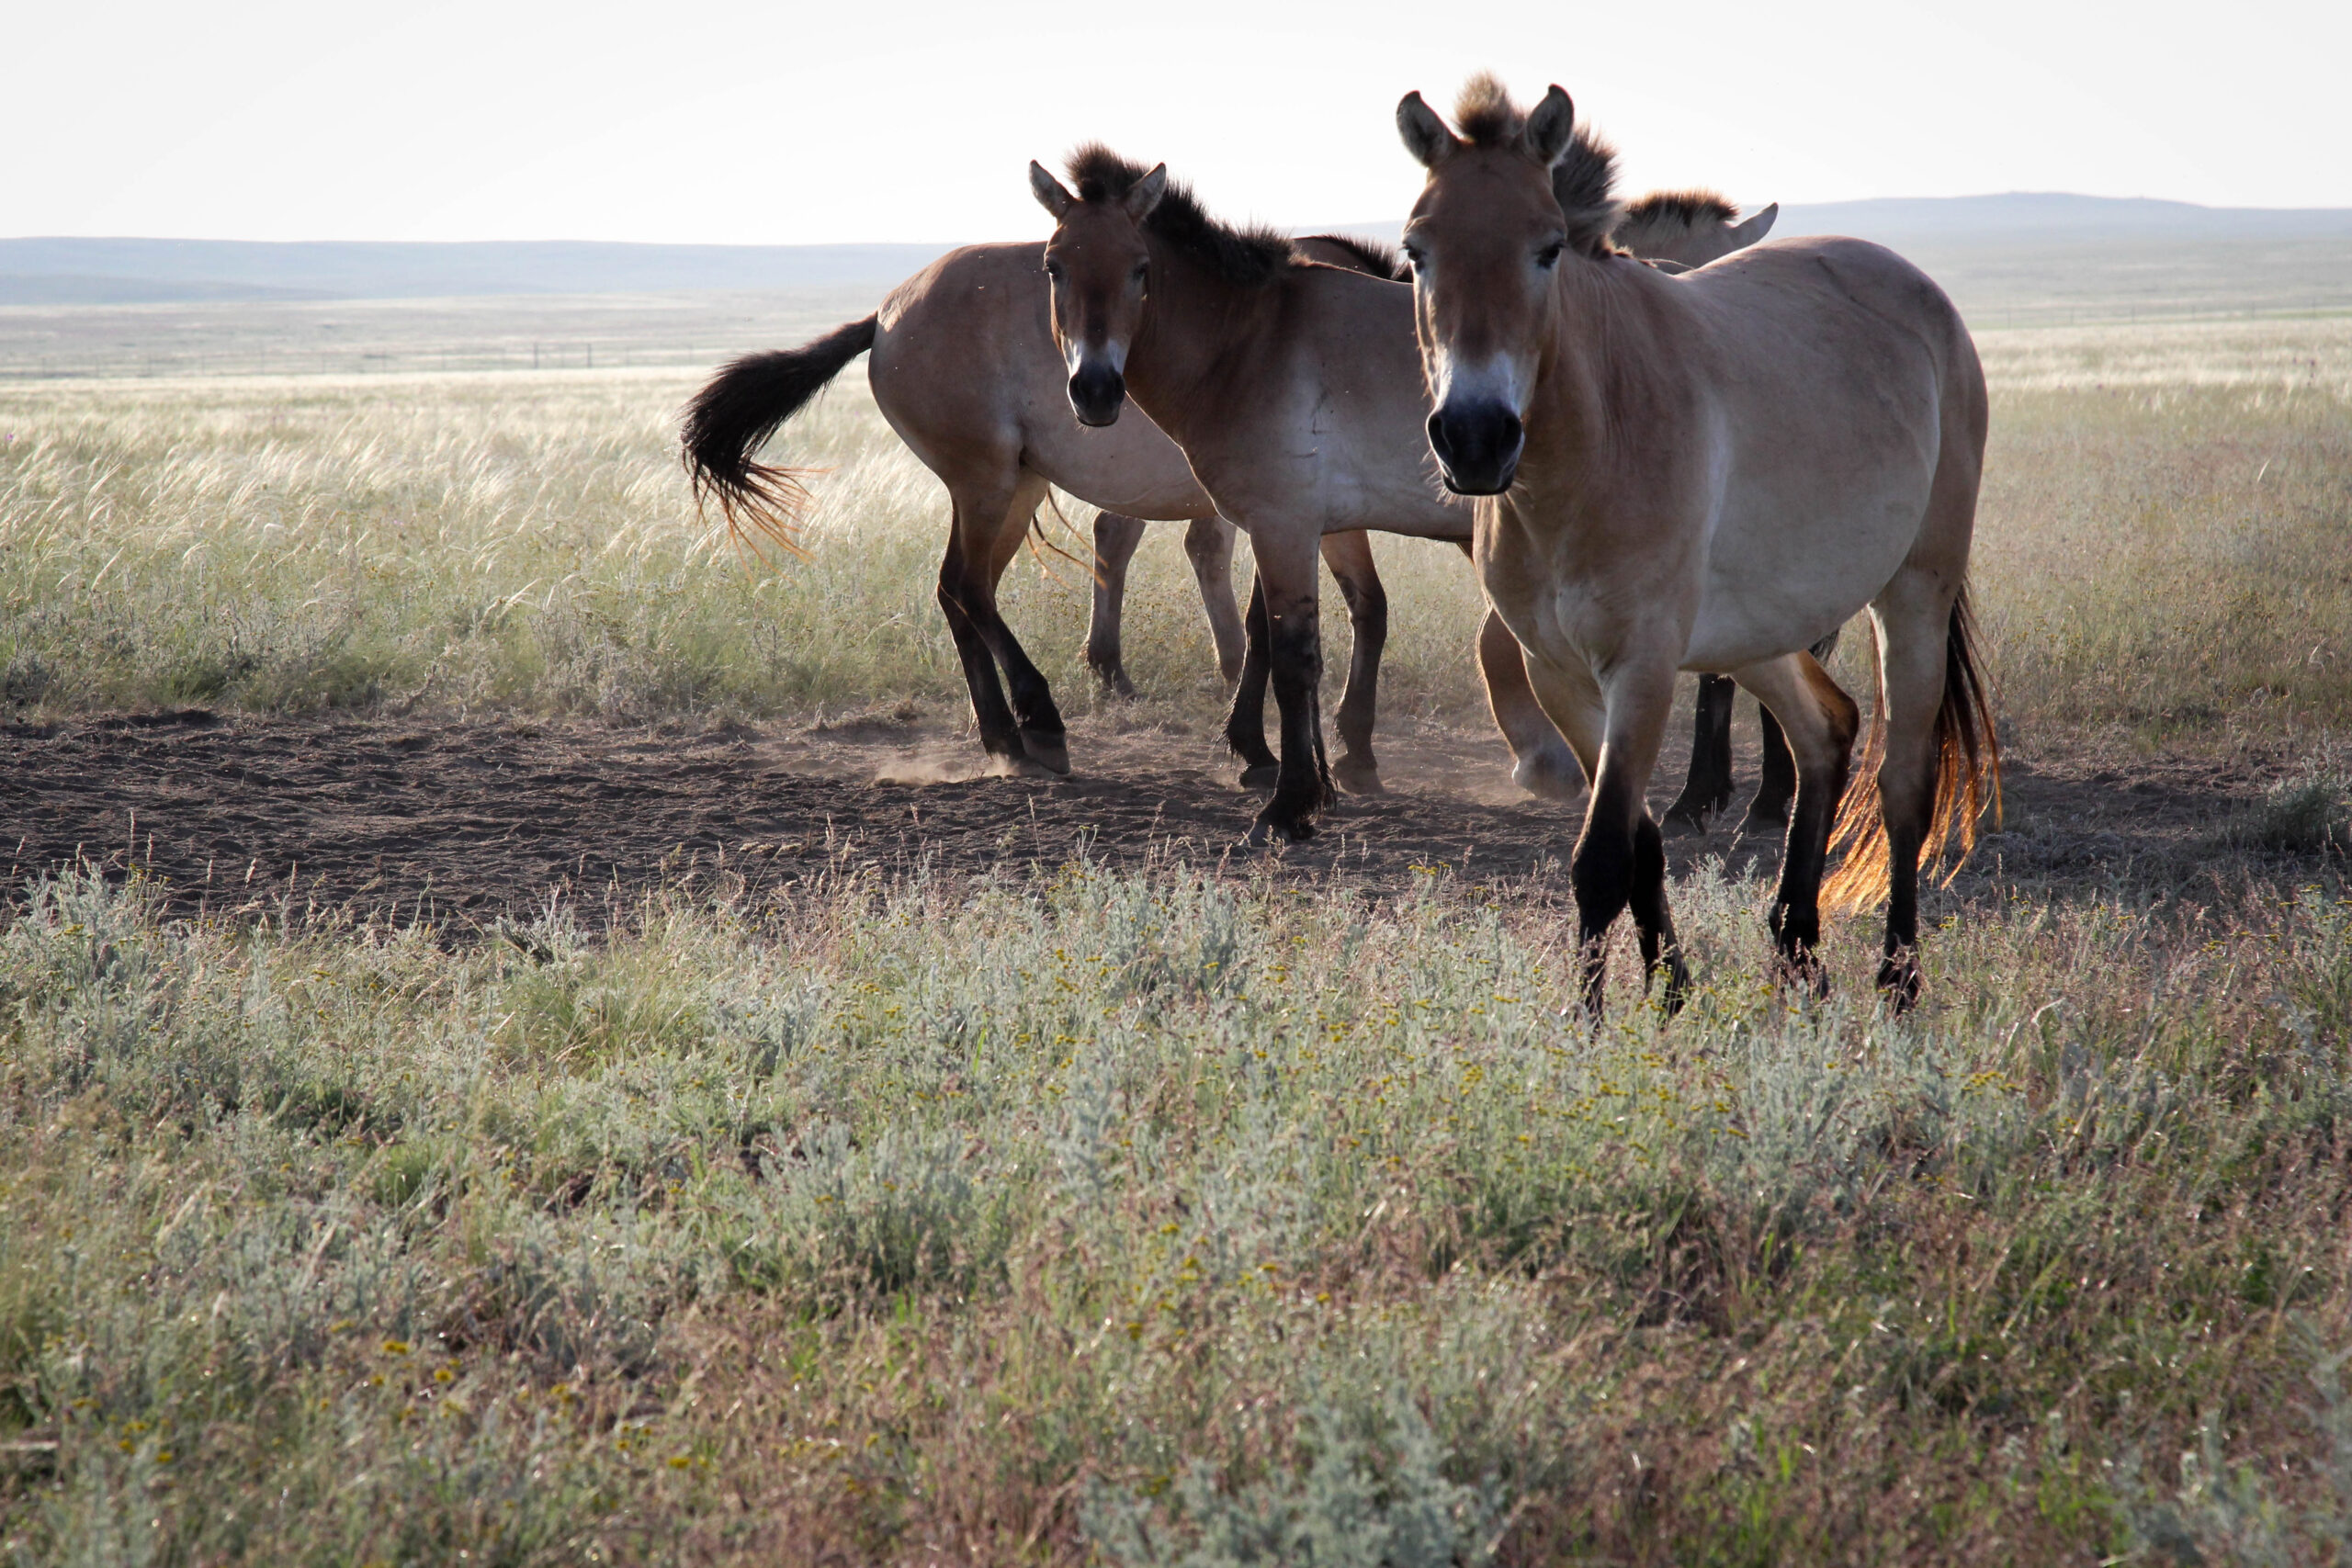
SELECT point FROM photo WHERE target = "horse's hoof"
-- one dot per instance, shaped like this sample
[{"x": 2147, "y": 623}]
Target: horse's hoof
[
  {"x": 1684, "y": 821},
  {"x": 1899, "y": 979},
  {"x": 1548, "y": 778},
  {"x": 1678, "y": 986},
  {"x": 1260, "y": 775},
  {"x": 1803, "y": 971},
  {"x": 1049, "y": 749},
  {"x": 1358, "y": 775},
  {"x": 1266, "y": 832},
  {"x": 1768, "y": 817},
  {"x": 1004, "y": 767}
]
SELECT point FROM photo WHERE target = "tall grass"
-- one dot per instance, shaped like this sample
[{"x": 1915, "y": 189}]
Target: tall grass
[
  {"x": 1164, "y": 1219},
  {"x": 2163, "y": 515}
]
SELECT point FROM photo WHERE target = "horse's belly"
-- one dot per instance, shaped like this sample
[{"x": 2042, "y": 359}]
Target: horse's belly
[
  {"x": 1131, "y": 467},
  {"x": 1771, "y": 592}
]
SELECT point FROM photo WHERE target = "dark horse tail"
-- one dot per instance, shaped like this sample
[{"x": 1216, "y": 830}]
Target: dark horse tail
[
  {"x": 1968, "y": 776},
  {"x": 739, "y": 408}
]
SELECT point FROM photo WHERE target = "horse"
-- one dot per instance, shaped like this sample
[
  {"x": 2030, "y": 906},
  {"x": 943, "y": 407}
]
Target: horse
[
  {"x": 962, "y": 369},
  {"x": 1707, "y": 472},
  {"x": 980, "y": 311}
]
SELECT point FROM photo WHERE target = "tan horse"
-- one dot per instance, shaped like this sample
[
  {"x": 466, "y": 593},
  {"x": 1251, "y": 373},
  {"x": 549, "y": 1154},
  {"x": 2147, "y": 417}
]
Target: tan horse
[{"x": 1706, "y": 472}]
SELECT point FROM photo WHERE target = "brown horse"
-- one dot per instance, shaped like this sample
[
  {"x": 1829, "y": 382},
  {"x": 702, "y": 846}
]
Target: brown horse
[
  {"x": 965, "y": 369},
  {"x": 1293, "y": 389},
  {"x": 1706, "y": 472}
]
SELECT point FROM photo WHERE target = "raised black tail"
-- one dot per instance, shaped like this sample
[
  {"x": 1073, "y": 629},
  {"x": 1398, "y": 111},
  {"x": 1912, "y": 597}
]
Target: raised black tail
[{"x": 738, "y": 409}]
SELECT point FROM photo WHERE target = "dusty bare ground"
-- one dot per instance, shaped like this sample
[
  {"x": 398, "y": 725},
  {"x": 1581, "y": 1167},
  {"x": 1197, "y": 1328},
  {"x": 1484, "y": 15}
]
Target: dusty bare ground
[{"x": 469, "y": 819}]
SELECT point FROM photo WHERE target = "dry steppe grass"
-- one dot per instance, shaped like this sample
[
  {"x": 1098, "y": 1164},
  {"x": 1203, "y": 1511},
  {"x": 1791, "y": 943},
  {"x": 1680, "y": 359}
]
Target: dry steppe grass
[{"x": 1169, "y": 1216}]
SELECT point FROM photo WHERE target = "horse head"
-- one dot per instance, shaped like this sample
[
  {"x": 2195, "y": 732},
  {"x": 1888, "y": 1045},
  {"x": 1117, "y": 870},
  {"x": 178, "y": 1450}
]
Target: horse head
[
  {"x": 1098, "y": 267},
  {"x": 1501, "y": 206}
]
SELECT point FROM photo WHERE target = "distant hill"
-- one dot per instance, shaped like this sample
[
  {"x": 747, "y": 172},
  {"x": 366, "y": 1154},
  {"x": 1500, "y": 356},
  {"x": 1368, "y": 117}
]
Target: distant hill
[
  {"x": 126, "y": 271},
  {"x": 2022, "y": 217},
  {"x": 2013, "y": 254}
]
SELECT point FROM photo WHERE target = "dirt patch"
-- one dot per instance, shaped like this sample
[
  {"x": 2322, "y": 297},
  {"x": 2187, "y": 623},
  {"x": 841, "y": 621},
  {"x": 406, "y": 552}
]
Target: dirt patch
[{"x": 475, "y": 819}]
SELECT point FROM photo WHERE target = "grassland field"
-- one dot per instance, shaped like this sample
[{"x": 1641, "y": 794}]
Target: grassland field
[{"x": 1068, "y": 1197}]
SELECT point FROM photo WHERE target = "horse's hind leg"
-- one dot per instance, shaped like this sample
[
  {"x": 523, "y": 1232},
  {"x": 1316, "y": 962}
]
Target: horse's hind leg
[
  {"x": 1115, "y": 538},
  {"x": 1348, "y": 556},
  {"x": 1913, "y": 614},
  {"x": 991, "y": 523},
  {"x": 1777, "y": 786},
  {"x": 1245, "y": 721},
  {"x": 1208, "y": 545},
  {"x": 1819, "y": 720},
  {"x": 966, "y": 597},
  {"x": 1706, "y": 789}
]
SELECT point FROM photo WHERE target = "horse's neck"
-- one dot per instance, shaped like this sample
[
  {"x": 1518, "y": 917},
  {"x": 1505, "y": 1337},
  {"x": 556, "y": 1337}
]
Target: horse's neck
[
  {"x": 1610, "y": 377},
  {"x": 1196, "y": 324}
]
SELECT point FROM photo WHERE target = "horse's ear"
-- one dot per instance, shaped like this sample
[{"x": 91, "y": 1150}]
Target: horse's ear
[
  {"x": 1550, "y": 126},
  {"x": 1050, "y": 193},
  {"x": 1146, "y": 193},
  {"x": 1756, "y": 226},
  {"x": 1426, "y": 136}
]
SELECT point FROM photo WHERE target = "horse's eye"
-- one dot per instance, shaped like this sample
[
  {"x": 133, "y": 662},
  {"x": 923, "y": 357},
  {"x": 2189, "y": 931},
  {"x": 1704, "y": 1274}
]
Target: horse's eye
[
  {"x": 1054, "y": 270},
  {"x": 1413, "y": 258},
  {"x": 1143, "y": 270},
  {"x": 1549, "y": 256}
]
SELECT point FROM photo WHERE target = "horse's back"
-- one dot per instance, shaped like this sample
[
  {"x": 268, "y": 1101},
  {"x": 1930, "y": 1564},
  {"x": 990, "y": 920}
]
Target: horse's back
[
  {"x": 1841, "y": 381},
  {"x": 1834, "y": 295}
]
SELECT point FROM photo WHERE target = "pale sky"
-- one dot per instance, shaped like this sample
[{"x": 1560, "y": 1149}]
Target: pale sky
[{"x": 789, "y": 123}]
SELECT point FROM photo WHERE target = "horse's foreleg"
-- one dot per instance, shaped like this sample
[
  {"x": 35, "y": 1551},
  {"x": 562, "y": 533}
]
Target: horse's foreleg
[
  {"x": 1348, "y": 555},
  {"x": 1706, "y": 789},
  {"x": 1245, "y": 721},
  {"x": 1620, "y": 857},
  {"x": 1542, "y": 763},
  {"x": 1115, "y": 538},
  {"x": 1286, "y": 571},
  {"x": 1208, "y": 545},
  {"x": 1819, "y": 720},
  {"x": 1625, "y": 840}
]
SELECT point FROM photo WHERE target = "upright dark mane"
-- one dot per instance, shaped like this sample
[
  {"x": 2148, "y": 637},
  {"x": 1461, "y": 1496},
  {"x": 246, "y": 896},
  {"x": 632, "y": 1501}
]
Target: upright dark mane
[
  {"x": 1584, "y": 180},
  {"x": 1239, "y": 256},
  {"x": 1379, "y": 260},
  {"x": 1689, "y": 208},
  {"x": 1484, "y": 115}
]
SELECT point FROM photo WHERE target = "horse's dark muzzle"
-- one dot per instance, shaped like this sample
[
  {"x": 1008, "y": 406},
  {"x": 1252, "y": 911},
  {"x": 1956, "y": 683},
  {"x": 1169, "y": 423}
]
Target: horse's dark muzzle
[
  {"x": 1476, "y": 447},
  {"x": 1096, "y": 394}
]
